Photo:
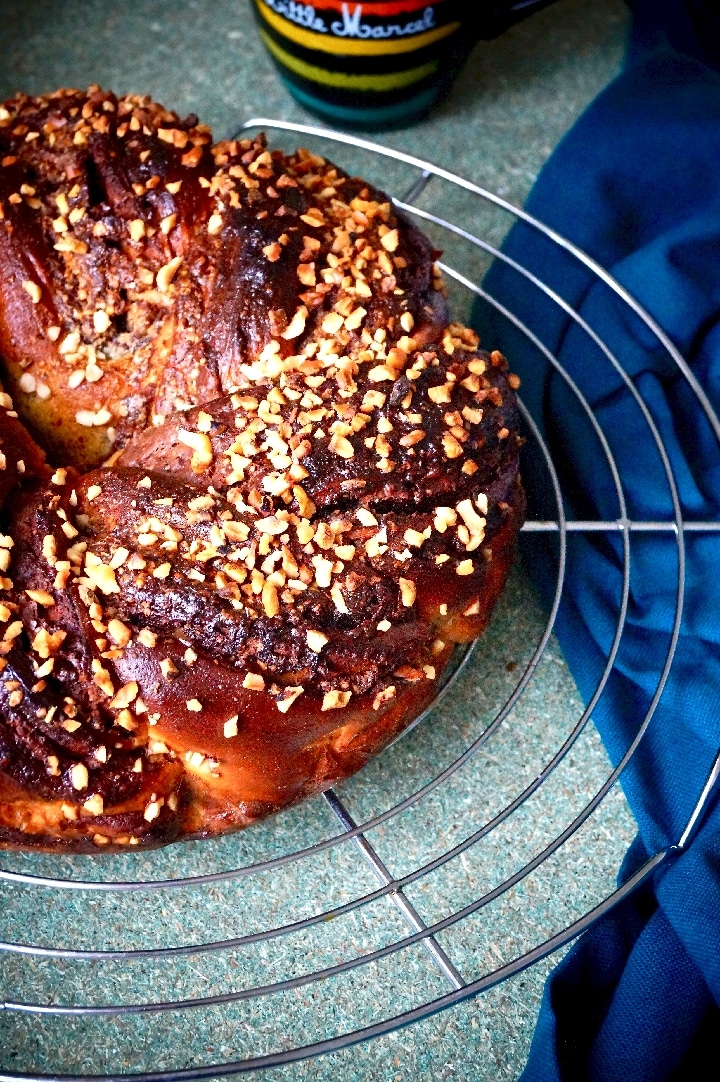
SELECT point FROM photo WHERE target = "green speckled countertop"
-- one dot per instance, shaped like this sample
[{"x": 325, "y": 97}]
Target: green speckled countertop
[{"x": 515, "y": 99}]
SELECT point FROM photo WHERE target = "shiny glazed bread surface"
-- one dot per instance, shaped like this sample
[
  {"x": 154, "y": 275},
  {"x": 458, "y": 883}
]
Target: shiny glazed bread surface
[{"x": 254, "y": 485}]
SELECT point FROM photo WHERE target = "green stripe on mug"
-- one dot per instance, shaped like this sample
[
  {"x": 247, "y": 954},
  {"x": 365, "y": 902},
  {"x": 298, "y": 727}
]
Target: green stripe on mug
[{"x": 399, "y": 112}]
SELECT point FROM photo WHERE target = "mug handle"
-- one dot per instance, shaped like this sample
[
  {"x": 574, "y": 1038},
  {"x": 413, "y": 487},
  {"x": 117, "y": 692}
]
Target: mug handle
[{"x": 503, "y": 14}]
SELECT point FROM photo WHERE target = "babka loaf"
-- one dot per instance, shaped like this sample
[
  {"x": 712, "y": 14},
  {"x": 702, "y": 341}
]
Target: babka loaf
[{"x": 254, "y": 486}]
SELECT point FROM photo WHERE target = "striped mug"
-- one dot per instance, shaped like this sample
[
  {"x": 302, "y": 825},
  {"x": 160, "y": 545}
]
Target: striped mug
[{"x": 382, "y": 63}]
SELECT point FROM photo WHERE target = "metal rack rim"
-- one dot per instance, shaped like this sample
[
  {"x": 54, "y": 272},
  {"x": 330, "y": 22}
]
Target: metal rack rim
[
  {"x": 350, "y": 963},
  {"x": 426, "y": 1010}
]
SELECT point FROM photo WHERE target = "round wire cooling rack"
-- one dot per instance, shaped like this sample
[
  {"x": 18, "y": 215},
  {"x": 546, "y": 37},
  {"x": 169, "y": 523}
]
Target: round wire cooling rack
[{"x": 482, "y": 843}]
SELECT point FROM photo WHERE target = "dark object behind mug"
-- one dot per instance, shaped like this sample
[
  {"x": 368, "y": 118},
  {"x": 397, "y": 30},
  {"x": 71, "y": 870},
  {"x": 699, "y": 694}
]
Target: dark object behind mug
[{"x": 381, "y": 63}]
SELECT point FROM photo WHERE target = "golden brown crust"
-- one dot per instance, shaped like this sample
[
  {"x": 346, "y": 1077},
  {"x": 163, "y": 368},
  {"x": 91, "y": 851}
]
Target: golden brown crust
[
  {"x": 143, "y": 268},
  {"x": 314, "y": 496}
]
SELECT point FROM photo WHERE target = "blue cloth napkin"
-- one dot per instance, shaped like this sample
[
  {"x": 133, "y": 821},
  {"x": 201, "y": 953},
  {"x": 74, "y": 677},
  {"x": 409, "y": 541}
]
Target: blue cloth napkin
[{"x": 636, "y": 184}]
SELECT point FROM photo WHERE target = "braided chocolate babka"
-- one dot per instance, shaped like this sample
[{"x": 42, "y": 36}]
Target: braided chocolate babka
[{"x": 253, "y": 485}]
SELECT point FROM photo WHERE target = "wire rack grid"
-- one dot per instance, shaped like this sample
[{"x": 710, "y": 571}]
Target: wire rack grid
[{"x": 430, "y": 878}]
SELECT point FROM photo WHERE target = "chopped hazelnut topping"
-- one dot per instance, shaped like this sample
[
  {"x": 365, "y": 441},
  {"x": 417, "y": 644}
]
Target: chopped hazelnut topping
[
  {"x": 235, "y": 531},
  {"x": 323, "y": 571},
  {"x": 415, "y": 538},
  {"x": 353, "y": 321},
  {"x": 316, "y": 640},
  {"x": 12, "y": 631},
  {"x": 444, "y": 517},
  {"x": 102, "y": 576},
  {"x": 102, "y": 679},
  {"x": 372, "y": 400},
  {"x": 407, "y": 592},
  {"x": 383, "y": 697},
  {"x": 474, "y": 523},
  {"x": 411, "y": 438},
  {"x": 270, "y": 600},
  {"x": 335, "y": 700},
  {"x": 118, "y": 632},
  {"x": 338, "y": 599},
  {"x": 342, "y": 446},
  {"x": 306, "y": 274},
  {"x": 137, "y": 229},
  {"x": 125, "y": 696},
  {"x": 79, "y": 776},
  {"x": 41, "y": 597},
  {"x": 230, "y": 727},
  {"x": 152, "y": 810},
  {"x": 165, "y": 276},
  {"x": 289, "y": 695},
  {"x": 96, "y": 419},
  {"x": 441, "y": 393},
  {"x": 332, "y": 323},
  {"x": 46, "y": 643},
  {"x": 452, "y": 448},
  {"x": 390, "y": 241},
  {"x": 254, "y": 682},
  {"x": 297, "y": 324},
  {"x": 200, "y": 444},
  {"x": 474, "y": 416},
  {"x": 101, "y": 321},
  {"x": 33, "y": 291},
  {"x": 271, "y": 525}
]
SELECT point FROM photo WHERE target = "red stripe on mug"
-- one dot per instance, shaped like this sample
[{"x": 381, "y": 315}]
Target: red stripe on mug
[{"x": 387, "y": 7}]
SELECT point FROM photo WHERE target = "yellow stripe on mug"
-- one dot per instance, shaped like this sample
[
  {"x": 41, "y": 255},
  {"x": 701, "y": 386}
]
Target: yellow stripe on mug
[
  {"x": 392, "y": 80},
  {"x": 342, "y": 46}
]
